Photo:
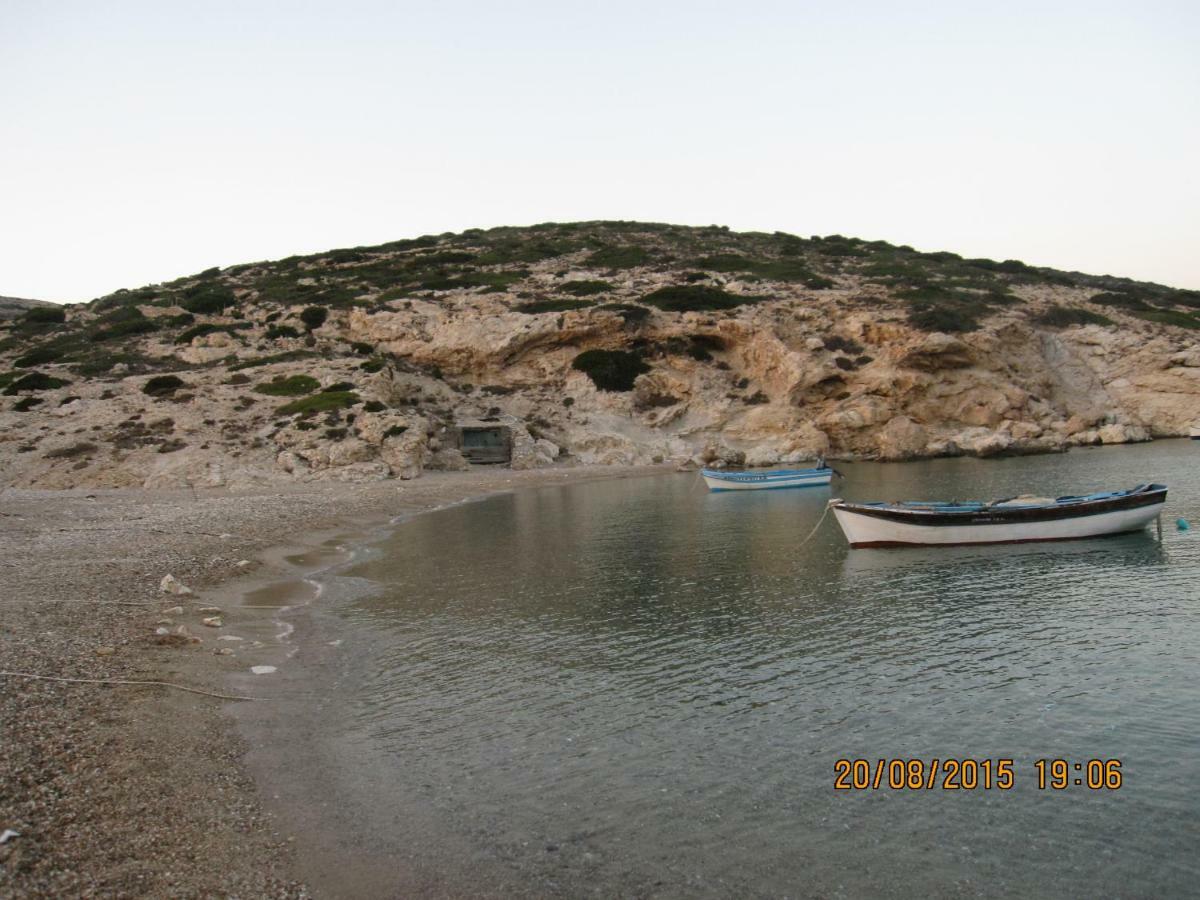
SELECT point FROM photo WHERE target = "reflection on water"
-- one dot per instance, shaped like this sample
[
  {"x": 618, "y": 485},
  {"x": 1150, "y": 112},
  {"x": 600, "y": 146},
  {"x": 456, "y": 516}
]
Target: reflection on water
[{"x": 641, "y": 687}]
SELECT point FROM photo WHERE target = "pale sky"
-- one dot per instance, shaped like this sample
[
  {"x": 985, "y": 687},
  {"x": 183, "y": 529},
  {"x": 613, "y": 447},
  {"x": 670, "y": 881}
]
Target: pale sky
[{"x": 142, "y": 141}]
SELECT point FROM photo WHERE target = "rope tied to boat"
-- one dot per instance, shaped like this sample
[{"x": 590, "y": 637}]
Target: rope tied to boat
[{"x": 828, "y": 506}]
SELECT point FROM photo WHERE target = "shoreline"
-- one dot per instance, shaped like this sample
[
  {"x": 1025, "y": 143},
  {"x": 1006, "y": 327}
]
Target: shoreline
[{"x": 144, "y": 790}]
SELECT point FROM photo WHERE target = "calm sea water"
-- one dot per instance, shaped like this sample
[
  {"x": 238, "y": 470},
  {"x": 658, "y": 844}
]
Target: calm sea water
[{"x": 640, "y": 688}]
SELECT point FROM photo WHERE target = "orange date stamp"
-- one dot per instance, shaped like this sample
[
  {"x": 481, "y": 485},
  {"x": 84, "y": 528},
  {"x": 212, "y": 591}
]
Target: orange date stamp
[{"x": 968, "y": 774}]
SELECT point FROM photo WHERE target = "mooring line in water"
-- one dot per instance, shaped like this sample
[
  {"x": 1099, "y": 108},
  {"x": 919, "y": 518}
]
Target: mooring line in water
[
  {"x": 828, "y": 506},
  {"x": 169, "y": 684}
]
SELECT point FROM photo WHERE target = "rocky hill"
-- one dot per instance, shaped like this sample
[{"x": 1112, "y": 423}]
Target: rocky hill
[
  {"x": 595, "y": 342},
  {"x": 14, "y": 307}
]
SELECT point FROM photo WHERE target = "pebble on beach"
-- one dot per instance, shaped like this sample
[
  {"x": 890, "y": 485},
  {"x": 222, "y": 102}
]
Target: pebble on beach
[
  {"x": 172, "y": 585},
  {"x": 213, "y": 622}
]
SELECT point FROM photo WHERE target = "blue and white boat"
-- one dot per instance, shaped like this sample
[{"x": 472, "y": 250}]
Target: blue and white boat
[{"x": 767, "y": 479}]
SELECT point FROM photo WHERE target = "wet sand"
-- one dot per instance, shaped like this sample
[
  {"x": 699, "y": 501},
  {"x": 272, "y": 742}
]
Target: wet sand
[{"x": 135, "y": 790}]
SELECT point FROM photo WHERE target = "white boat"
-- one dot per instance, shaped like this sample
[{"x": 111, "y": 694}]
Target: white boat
[
  {"x": 1011, "y": 521},
  {"x": 1194, "y": 433},
  {"x": 767, "y": 479}
]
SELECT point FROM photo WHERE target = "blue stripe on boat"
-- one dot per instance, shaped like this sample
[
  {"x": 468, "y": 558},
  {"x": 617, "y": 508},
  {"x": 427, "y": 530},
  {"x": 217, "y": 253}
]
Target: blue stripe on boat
[{"x": 780, "y": 487}]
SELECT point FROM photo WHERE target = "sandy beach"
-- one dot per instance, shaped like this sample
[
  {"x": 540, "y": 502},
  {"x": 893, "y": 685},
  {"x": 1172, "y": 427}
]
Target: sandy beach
[{"x": 141, "y": 790}]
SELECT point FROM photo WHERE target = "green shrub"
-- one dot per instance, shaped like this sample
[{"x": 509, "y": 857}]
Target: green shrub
[
  {"x": 525, "y": 251},
  {"x": 322, "y": 402},
  {"x": 913, "y": 272},
  {"x": 100, "y": 362},
  {"x": 35, "y": 381},
  {"x": 1120, "y": 300},
  {"x": 338, "y": 387},
  {"x": 933, "y": 307},
  {"x": 125, "y": 297},
  {"x": 689, "y": 297},
  {"x": 610, "y": 370},
  {"x": 725, "y": 262},
  {"x": 951, "y": 319},
  {"x": 585, "y": 288},
  {"x": 618, "y": 258},
  {"x": 790, "y": 269},
  {"x": 789, "y": 244},
  {"x": 208, "y": 298},
  {"x": 47, "y": 353},
  {"x": 127, "y": 328},
  {"x": 163, "y": 385},
  {"x": 292, "y": 386},
  {"x": 83, "y": 448},
  {"x": 494, "y": 282},
  {"x": 314, "y": 317},
  {"x": 395, "y": 431},
  {"x": 1170, "y": 317},
  {"x": 535, "y": 307},
  {"x": 1010, "y": 266},
  {"x": 197, "y": 331},
  {"x": 284, "y": 288},
  {"x": 26, "y": 403},
  {"x": 1055, "y": 316},
  {"x": 125, "y": 321},
  {"x": 286, "y": 356},
  {"x": 630, "y": 312},
  {"x": 7, "y": 378},
  {"x": 275, "y": 332},
  {"x": 846, "y": 345},
  {"x": 374, "y": 406},
  {"x": 373, "y": 365},
  {"x": 362, "y": 348},
  {"x": 836, "y": 245},
  {"x": 45, "y": 315}
]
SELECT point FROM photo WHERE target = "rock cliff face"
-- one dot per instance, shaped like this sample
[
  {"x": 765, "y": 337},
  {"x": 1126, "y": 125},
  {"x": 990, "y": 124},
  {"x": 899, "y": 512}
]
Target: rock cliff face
[{"x": 609, "y": 343}]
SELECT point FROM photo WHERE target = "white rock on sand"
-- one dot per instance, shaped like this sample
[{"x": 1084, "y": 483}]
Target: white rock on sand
[{"x": 172, "y": 585}]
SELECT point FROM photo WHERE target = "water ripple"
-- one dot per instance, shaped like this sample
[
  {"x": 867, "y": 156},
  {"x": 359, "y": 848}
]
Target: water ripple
[{"x": 661, "y": 671}]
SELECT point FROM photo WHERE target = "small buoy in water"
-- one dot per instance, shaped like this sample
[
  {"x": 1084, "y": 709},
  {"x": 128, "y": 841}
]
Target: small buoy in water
[{"x": 1182, "y": 524}]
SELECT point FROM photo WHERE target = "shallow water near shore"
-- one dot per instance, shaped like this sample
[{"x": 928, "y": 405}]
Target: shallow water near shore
[{"x": 639, "y": 687}]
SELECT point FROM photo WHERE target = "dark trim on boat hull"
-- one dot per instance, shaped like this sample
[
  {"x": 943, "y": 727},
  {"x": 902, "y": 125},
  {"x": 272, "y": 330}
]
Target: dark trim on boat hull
[{"x": 895, "y": 545}]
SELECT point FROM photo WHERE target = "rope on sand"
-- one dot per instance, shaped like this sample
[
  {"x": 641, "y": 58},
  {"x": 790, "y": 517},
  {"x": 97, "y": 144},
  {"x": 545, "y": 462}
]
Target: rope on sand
[{"x": 169, "y": 684}]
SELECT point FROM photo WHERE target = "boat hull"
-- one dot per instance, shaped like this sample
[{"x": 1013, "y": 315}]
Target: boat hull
[
  {"x": 765, "y": 481},
  {"x": 873, "y": 530}
]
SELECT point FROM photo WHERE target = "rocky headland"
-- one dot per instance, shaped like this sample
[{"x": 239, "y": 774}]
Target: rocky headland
[{"x": 607, "y": 343}]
